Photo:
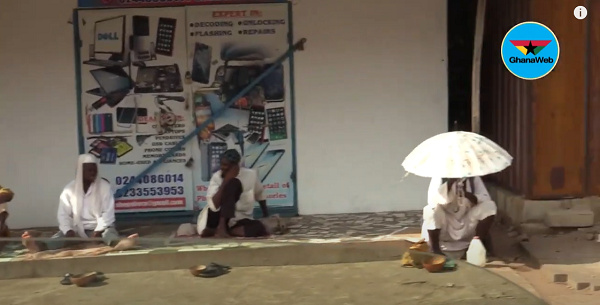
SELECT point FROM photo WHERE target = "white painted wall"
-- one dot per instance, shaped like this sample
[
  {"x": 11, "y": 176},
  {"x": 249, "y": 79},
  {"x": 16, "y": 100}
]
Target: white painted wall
[
  {"x": 370, "y": 86},
  {"x": 38, "y": 115}
]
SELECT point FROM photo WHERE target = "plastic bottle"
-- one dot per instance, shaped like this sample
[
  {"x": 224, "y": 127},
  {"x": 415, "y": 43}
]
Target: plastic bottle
[{"x": 476, "y": 254}]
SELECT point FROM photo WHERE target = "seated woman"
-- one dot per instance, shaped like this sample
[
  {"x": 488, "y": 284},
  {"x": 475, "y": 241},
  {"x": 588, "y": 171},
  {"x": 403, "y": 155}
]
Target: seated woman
[
  {"x": 86, "y": 209},
  {"x": 231, "y": 196},
  {"x": 456, "y": 212}
]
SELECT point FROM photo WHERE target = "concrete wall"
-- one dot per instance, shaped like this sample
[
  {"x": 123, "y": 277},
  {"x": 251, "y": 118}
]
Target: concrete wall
[
  {"x": 517, "y": 210},
  {"x": 371, "y": 85},
  {"x": 38, "y": 115}
]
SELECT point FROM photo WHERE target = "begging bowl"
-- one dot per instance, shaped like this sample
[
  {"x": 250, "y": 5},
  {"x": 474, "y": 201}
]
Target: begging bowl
[{"x": 434, "y": 263}]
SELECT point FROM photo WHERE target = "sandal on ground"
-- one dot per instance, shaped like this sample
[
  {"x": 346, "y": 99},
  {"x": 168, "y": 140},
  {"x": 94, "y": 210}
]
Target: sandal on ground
[
  {"x": 66, "y": 280},
  {"x": 220, "y": 266},
  {"x": 211, "y": 270},
  {"x": 95, "y": 277}
]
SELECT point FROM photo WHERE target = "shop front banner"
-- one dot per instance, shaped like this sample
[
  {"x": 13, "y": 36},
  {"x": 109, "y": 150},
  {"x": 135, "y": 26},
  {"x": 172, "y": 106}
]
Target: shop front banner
[
  {"x": 149, "y": 76},
  {"x": 155, "y": 3}
]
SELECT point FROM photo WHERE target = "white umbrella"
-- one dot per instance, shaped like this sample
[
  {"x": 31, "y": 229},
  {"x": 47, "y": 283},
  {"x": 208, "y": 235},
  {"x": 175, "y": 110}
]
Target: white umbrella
[{"x": 457, "y": 154}]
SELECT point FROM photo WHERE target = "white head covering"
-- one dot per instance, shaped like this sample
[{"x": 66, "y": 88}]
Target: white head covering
[{"x": 79, "y": 193}]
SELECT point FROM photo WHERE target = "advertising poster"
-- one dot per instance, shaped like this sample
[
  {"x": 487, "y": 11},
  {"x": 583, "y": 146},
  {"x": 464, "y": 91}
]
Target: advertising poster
[
  {"x": 229, "y": 46},
  {"x": 134, "y": 102},
  {"x": 154, "y": 3},
  {"x": 149, "y": 76}
]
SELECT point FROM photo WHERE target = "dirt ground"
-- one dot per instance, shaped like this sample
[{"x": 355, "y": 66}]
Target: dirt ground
[
  {"x": 537, "y": 283},
  {"x": 380, "y": 283},
  {"x": 517, "y": 267}
]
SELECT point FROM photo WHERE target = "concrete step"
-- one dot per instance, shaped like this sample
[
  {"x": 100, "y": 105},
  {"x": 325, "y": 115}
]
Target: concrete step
[
  {"x": 270, "y": 254},
  {"x": 557, "y": 250},
  {"x": 572, "y": 218},
  {"x": 535, "y": 228}
]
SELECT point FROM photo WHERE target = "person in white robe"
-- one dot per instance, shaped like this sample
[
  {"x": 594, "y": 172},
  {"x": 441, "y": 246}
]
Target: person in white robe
[
  {"x": 86, "y": 209},
  {"x": 457, "y": 210},
  {"x": 232, "y": 193}
]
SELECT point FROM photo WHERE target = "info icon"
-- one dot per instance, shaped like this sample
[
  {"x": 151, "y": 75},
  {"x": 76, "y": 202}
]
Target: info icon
[{"x": 530, "y": 50}]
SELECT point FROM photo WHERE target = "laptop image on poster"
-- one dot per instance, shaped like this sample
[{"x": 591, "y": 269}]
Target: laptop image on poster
[
  {"x": 114, "y": 84},
  {"x": 108, "y": 48}
]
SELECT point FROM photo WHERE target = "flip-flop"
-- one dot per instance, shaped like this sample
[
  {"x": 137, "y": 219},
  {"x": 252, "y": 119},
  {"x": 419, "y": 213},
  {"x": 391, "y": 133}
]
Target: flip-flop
[
  {"x": 449, "y": 264},
  {"x": 210, "y": 271},
  {"x": 220, "y": 266},
  {"x": 100, "y": 277},
  {"x": 66, "y": 280}
]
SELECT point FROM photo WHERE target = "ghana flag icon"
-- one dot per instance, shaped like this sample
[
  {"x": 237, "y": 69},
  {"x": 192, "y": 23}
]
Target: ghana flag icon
[{"x": 530, "y": 46}]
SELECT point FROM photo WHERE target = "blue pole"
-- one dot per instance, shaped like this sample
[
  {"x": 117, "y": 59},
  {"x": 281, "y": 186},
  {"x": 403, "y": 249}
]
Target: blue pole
[
  {"x": 297, "y": 46},
  {"x": 77, "y": 51}
]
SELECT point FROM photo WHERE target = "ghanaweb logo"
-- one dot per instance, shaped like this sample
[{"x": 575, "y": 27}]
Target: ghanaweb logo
[{"x": 522, "y": 50}]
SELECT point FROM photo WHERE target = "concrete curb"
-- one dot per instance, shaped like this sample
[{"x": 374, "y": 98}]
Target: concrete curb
[
  {"x": 290, "y": 254},
  {"x": 532, "y": 258}
]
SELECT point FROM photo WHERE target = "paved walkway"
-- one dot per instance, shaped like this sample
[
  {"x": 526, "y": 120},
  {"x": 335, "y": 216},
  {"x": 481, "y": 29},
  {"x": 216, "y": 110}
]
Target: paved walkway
[
  {"x": 352, "y": 225},
  {"x": 311, "y": 229},
  {"x": 380, "y": 283}
]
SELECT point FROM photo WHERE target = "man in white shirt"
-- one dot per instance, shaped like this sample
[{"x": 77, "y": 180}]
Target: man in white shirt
[
  {"x": 231, "y": 196},
  {"x": 457, "y": 210},
  {"x": 86, "y": 209}
]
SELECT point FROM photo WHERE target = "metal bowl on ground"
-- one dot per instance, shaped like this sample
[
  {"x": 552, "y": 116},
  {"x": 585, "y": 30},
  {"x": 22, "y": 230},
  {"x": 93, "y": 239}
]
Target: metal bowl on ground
[{"x": 434, "y": 263}]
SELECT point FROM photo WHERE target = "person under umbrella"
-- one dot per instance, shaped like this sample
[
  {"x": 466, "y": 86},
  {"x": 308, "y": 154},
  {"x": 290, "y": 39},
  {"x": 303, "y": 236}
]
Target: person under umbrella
[{"x": 457, "y": 210}]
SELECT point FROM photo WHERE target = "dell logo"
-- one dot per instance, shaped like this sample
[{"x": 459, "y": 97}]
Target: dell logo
[{"x": 108, "y": 36}]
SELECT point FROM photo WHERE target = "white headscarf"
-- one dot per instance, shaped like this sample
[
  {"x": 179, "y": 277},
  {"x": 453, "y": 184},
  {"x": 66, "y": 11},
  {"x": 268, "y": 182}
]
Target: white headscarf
[{"x": 77, "y": 204}]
